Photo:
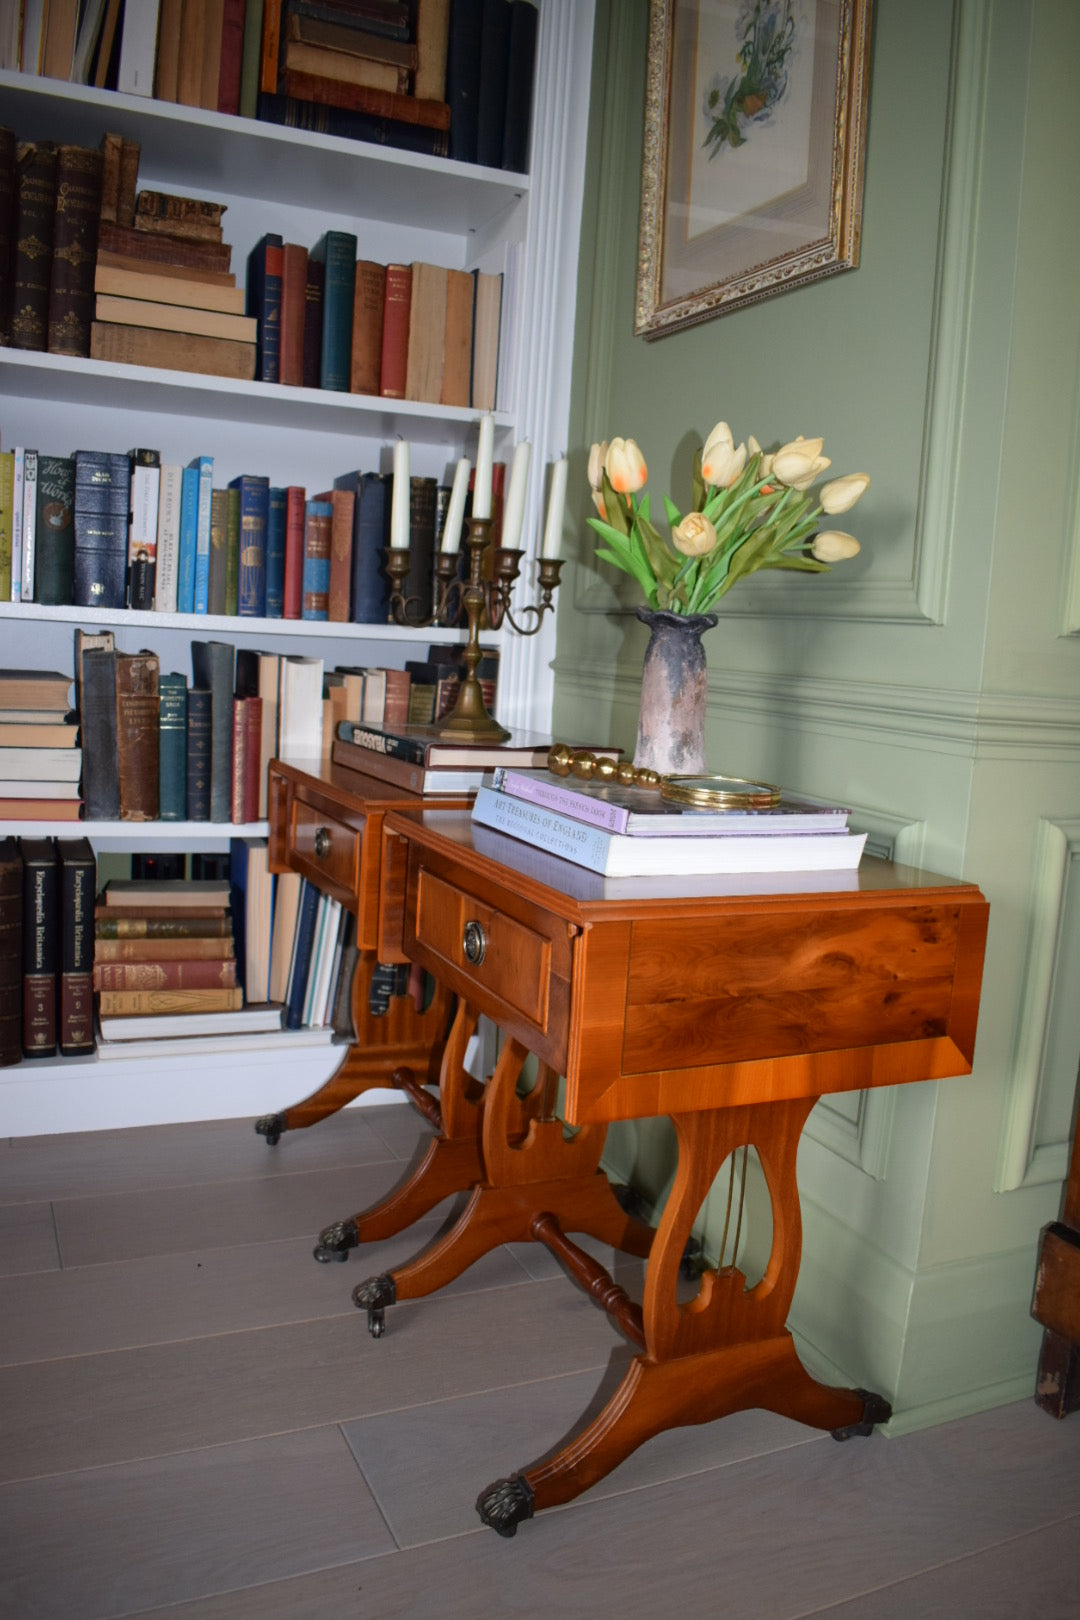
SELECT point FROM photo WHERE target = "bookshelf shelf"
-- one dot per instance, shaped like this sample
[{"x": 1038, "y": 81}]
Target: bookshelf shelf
[
  {"x": 239, "y": 156},
  {"x": 200, "y": 625},
  {"x": 163, "y": 837},
  {"x": 97, "y": 383}
]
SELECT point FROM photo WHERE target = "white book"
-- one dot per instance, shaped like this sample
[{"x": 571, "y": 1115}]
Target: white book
[
  {"x": 138, "y": 1026},
  {"x": 29, "y": 527},
  {"x": 20, "y": 787},
  {"x": 286, "y": 910},
  {"x": 322, "y": 910},
  {"x": 300, "y": 709},
  {"x": 166, "y": 577},
  {"x": 40, "y": 764},
  {"x": 145, "y": 492},
  {"x": 138, "y": 48},
  {"x": 269, "y": 679},
  {"x": 18, "y": 481},
  {"x": 323, "y": 966},
  {"x": 93, "y": 15},
  {"x": 623, "y": 855},
  {"x": 33, "y": 35}
]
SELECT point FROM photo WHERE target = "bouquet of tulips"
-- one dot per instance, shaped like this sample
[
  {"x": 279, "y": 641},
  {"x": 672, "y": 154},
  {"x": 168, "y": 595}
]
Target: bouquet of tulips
[{"x": 749, "y": 510}]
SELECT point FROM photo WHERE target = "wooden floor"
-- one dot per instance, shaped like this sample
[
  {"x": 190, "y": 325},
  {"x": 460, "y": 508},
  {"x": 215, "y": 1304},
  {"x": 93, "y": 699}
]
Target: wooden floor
[{"x": 195, "y": 1422}]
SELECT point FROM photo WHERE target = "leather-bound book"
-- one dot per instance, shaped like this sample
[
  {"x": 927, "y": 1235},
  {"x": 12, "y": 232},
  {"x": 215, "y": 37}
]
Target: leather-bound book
[
  {"x": 491, "y": 109},
  {"x": 369, "y": 600},
  {"x": 342, "y": 503},
  {"x": 11, "y": 902},
  {"x": 129, "y": 182},
  {"x": 253, "y": 492},
  {"x": 394, "y": 361},
  {"x": 520, "y": 65},
  {"x": 143, "y": 527},
  {"x": 75, "y": 234},
  {"x": 367, "y": 332},
  {"x": 102, "y": 497},
  {"x": 41, "y": 946},
  {"x": 264, "y": 294},
  {"x": 247, "y": 755},
  {"x": 111, "y": 148},
  {"x": 7, "y": 230},
  {"x": 351, "y": 125},
  {"x": 276, "y": 506},
  {"x": 336, "y": 250},
  {"x": 232, "y": 552},
  {"x": 318, "y": 520},
  {"x": 77, "y": 884},
  {"x": 35, "y": 211},
  {"x": 463, "y": 76},
  {"x": 54, "y": 564},
  {"x": 172, "y": 747},
  {"x": 457, "y": 342},
  {"x": 199, "y": 741},
  {"x": 427, "y": 333},
  {"x": 97, "y": 722},
  {"x": 137, "y": 734},
  {"x": 178, "y": 253},
  {"x": 212, "y": 666},
  {"x": 432, "y": 38},
  {"x": 219, "y": 523},
  {"x": 418, "y": 581},
  {"x": 232, "y": 56},
  {"x": 167, "y": 64},
  {"x": 295, "y": 512},
  {"x": 294, "y": 264},
  {"x": 314, "y": 286}
]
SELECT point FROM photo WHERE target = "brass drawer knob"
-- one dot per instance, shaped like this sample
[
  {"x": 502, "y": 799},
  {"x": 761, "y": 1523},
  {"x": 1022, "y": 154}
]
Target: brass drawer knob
[
  {"x": 322, "y": 842},
  {"x": 474, "y": 943}
]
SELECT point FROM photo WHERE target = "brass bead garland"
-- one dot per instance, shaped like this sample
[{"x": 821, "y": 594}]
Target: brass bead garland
[{"x": 692, "y": 792}]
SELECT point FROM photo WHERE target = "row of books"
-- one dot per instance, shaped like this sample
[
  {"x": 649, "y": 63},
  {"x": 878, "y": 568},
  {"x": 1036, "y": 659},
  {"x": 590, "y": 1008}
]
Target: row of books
[
  {"x": 631, "y": 831},
  {"x": 437, "y": 76},
  {"x": 114, "y": 530},
  {"x": 330, "y": 319},
  {"x": 297, "y": 945},
  {"x": 47, "y": 890},
  {"x": 40, "y": 761}
]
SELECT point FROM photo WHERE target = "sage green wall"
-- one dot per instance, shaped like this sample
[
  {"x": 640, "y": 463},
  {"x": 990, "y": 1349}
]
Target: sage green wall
[{"x": 932, "y": 683}]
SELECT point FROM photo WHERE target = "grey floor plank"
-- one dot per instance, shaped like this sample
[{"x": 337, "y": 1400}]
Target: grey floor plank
[
  {"x": 182, "y": 1296},
  {"x": 171, "y": 1220},
  {"x": 777, "y": 1537},
  {"x": 1032, "y": 1577},
  {"x": 85, "y": 1411},
  {"x": 149, "y": 1156},
  {"x": 426, "y": 1466},
  {"x": 27, "y": 1239},
  {"x": 103, "y": 1542}
]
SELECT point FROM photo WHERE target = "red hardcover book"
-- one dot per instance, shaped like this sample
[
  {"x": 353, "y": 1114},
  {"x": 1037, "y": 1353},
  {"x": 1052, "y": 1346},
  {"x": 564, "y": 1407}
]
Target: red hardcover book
[
  {"x": 362, "y": 98},
  {"x": 343, "y": 502},
  {"x": 247, "y": 743},
  {"x": 294, "y": 262},
  {"x": 396, "y": 703},
  {"x": 165, "y": 975},
  {"x": 295, "y": 502},
  {"x": 368, "y": 305},
  {"x": 232, "y": 56},
  {"x": 397, "y": 303}
]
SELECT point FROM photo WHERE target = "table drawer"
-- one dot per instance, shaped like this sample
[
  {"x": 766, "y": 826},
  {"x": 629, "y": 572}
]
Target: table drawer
[
  {"x": 497, "y": 953},
  {"x": 325, "y": 848}
]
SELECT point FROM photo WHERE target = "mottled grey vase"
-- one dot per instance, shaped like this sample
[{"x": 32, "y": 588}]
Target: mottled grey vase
[{"x": 674, "y": 687}]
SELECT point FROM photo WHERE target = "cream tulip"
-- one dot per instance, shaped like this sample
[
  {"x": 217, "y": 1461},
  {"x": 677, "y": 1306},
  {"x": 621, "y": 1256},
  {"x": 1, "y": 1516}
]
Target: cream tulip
[
  {"x": 721, "y": 463},
  {"x": 754, "y": 449},
  {"x": 795, "y": 461},
  {"x": 695, "y": 536},
  {"x": 841, "y": 494},
  {"x": 597, "y": 457},
  {"x": 833, "y": 545},
  {"x": 625, "y": 467}
]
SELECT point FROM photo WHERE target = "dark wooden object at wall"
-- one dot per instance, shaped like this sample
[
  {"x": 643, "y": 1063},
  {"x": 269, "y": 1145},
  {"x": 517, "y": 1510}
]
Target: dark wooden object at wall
[{"x": 1057, "y": 1301}]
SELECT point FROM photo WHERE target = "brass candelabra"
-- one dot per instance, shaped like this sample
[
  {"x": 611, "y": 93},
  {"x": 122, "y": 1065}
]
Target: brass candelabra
[{"x": 486, "y": 600}]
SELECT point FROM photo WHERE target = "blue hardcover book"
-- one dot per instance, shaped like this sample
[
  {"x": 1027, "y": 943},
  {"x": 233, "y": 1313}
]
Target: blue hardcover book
[
  {"x": 369, "y": 601},
  {"x": 254, "y": 511},
  {"x": 318, "y": 519},
  {"x": 336, "y": 251},
  {"x": 263, "y": 301},
  {"x": 189, "y": 517},
  {"x": 276, "y": 506},
  {"x": 238, "y": 888},
  {"x": 199, "y": 744},
  {"x": 204, "y": 466},
  {"x": 301, "y": 956}
]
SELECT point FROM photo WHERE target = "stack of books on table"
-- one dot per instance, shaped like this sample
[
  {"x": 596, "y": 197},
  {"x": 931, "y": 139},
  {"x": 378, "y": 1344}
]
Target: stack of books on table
[
  {"x": 624, "y": 831},
  {"x": 40, "y": 761},
  {"x": 165, "y": 962},
  {"x": 422, "y": 759}
]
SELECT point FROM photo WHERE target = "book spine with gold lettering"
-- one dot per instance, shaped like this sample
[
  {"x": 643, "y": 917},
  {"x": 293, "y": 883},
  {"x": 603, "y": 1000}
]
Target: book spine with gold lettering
[{"x": 75, "y": 233}]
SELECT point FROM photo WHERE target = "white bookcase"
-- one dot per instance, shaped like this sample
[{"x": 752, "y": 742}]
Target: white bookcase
[{"x": 402, "y": 207}]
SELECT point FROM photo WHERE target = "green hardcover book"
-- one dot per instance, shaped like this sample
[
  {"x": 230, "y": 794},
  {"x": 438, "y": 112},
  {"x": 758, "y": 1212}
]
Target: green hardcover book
[
  {"x": 219, "y": 530},
  {"x": 7, "y": 499},
  {"x": 336, "y": 251},
  {"x": 54, "y": 563},
  {"x": 232, "y": 550},
  {"x": 172, "y": 747}
]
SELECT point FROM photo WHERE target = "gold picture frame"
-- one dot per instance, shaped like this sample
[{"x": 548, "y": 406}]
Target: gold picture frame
[{"x": 755, "y": 141}]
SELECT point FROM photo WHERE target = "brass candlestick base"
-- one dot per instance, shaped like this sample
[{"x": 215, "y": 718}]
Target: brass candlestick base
[{"x": 485, "y": 600}]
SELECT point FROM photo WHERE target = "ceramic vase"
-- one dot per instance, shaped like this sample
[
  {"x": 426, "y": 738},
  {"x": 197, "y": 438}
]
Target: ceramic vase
[{"x": 674, "y": 689}]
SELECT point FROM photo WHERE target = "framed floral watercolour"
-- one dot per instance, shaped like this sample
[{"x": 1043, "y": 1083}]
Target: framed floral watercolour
[{"x": 755, "y": 134}]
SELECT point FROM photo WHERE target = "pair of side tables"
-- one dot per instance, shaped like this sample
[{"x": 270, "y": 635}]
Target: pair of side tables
[{"x": 731, "y": 1005}]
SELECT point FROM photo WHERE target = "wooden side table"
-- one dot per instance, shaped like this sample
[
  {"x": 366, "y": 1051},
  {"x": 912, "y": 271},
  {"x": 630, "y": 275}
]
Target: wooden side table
[{"x": 729, "y": 1004}]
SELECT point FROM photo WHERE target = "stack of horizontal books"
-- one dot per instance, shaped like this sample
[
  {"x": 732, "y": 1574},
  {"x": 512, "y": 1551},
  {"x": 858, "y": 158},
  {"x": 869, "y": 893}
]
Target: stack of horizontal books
[
  {"x": 422, "y": 759},
  {"x": 40, "y": 760},
  {"x": 630, "y": 831},
  {"x": 165, "y": 962}
]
